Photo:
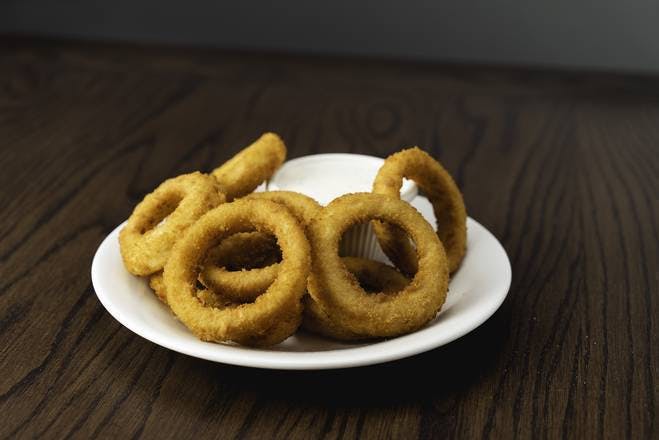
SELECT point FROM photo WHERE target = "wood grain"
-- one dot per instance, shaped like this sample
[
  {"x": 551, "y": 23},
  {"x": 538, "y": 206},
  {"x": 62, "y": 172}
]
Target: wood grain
[{"x": 562, "y": 167}]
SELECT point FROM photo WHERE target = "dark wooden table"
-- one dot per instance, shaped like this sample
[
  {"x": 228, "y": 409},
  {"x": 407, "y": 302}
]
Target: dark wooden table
[{"x": 562, "y": 167}]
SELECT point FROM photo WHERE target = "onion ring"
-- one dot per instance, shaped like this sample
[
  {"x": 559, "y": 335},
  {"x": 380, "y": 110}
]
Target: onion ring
[
  {"x": 443, "y": 193},
  {"x": 348, "y": 305},
  {"x": 372, "y": 276},
  {"x": 255, "y": 164},
  {"x": 246, "y": 285},
  {"x": 146, "y": 240},
  {"x": 251, "y": 323}
]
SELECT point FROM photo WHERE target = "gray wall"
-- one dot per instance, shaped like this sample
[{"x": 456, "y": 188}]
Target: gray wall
[{"x": 606, "y": 34}]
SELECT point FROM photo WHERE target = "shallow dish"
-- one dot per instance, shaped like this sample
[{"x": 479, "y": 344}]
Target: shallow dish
[{"x": 476, "y": 291}]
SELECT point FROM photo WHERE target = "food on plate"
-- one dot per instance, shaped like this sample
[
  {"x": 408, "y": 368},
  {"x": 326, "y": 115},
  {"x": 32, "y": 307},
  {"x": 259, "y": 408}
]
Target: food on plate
[
  {"x": 340, "y": 298},
  {"x": 372, "y": 276},
  {"x": 250, "y": 268},
  {"x": 273, "y": 315},
  {"x": 255, "y": 164},
  {"x": 162, "y": 216},
  {"x": 442, "y": 192},
  {"x": 246, "y": 285}
]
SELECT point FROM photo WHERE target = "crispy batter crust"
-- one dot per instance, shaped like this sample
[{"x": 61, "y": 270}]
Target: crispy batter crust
[
  {"x": 255, "y": 164},
  {"x": 145, "y": 242},
  {"x": 443, "y": 193},
  {"x": 372, "y": 276},
  {"x": 338, "y": 293},
  {"x": 285, "y": 326},
  {"x": 247, "y": 285},
  {"x": 249, "y": 323}
]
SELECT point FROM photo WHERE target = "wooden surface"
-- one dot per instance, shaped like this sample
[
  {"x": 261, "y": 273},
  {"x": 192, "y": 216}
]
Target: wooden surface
[{"x": 562, "y": 168}]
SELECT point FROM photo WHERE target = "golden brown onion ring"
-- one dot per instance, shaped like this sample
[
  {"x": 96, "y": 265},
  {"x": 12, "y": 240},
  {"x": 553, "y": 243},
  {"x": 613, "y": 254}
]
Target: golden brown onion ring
[
  {"x": 250, "y": 323},
  {"x": 246, "y": 285},
  {"x": 338, "y": 295},
  {"x": 255, "y": 164},
  {"x": 147, "y": 240},
  {"x": 442, "y": 192}
]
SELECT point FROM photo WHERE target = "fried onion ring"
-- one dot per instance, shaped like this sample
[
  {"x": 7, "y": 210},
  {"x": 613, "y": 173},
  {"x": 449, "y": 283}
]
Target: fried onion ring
[
  {"x": 146, "y": 240},
  {"x": 338, "y": 294},
  {"x": 246, "y": 285},
  {"x": 442, "y": 192},
  {"x": 372, "y": 276},
  {"x": 250, "y": 323},
  {"x": 255, "y": 164}
]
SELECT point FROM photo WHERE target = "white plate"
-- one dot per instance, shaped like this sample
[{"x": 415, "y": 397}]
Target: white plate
[{"x": 476, "y": 291}]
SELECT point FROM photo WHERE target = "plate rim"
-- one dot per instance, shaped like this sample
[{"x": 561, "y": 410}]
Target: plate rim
[{"x": 358, "y": 356}]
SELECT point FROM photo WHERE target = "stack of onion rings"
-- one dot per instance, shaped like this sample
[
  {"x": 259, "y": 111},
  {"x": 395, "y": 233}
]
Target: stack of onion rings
[
  {"x": 253, "y": 270},
  {"x": 271, "y": 316},
  {"x": 246, "y": 285}
]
